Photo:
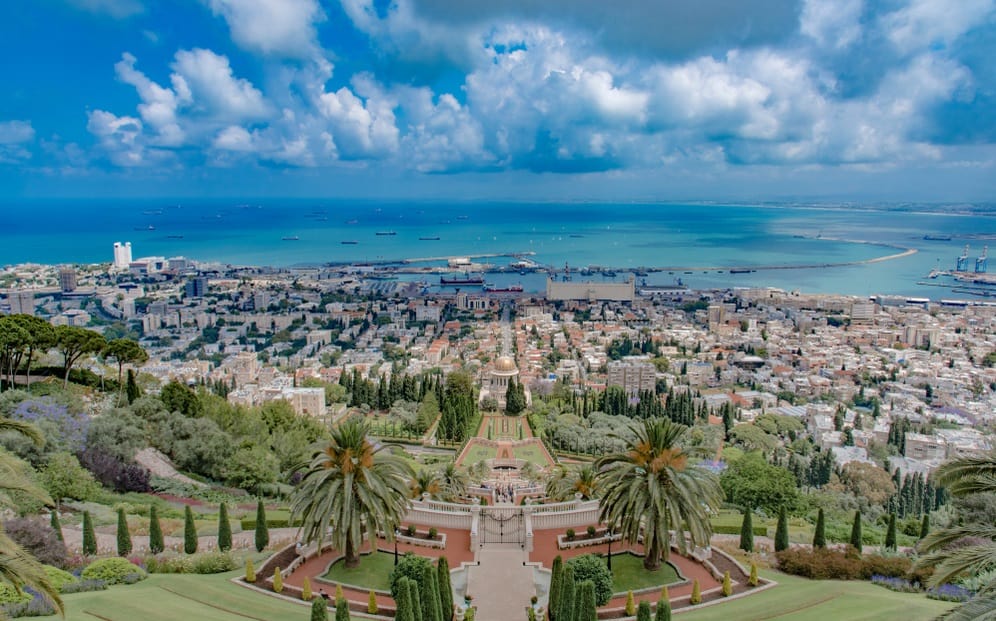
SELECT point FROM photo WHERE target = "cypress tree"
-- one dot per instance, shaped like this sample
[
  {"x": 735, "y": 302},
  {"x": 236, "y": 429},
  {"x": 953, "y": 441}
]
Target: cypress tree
[
  {"x": 262, "y": 532},
  {"x": 643, "y": 611},
  {"x": 132, "y": 390},
  {"x": 341, "y": 610},
  {"x": 588, "y": 609},
  {"x": 663, "y": 610},
  {"x": 747, "y": 532},
  {"x": 403, "y": 602},
  {"x": 782, "y": 530},
  {"x": 89, "y": 538},
  {"x": 156, "y": 543},
  {"x": 925, "y": 526},
  {"x": 445, "y": 588},
  {"x": 416, "y": 600},
  {"x": 430, "y": 595},
  {"x": 856, "y": 531},
  {"x": 890, "y": 534},
  {"x": 224, "y": 529},
  {"x": 124, "y": 537},
  {"x": 320, "y": 610},
  {"x": 56, "y": 525},
  {"x": 565, "y": 606},
  {"x": 189, "y": 531},
  {"x": 820, "y": 536},
  {"x": 250, "y": 571},
  {"x": 556, "y": 580}
]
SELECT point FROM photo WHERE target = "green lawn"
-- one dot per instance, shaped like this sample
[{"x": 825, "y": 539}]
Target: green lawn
[
  {"x": 374, "y": 572},
  {"x": 628, "y": 574},
  {"x": 477, "y": 452},
  {"x": 531, "y": 453},
  {"x": 165, "y": 597},
  {"x": 798, "y": 599}
]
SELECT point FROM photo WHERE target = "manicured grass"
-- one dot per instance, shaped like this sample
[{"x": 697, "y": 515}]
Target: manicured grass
[
  {"x": 798, "y": 599},
  {"x": 477, "y": 452},
  {"x": 628, "y": 574},
  {"x": 374, "y": 572},
  {"x": 531, "y": 453},
  {"x": 165, "y": 597}
]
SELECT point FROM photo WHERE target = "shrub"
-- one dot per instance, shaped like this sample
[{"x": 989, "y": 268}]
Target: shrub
[
  {"x": 115, "y": 474},
  {"x": 10, "y": 595},
  {"x": 727, "y": 585},
  {"x": 319, "y": 610},
  {"x": 556, "y": 581},
  {"x": 696, "y": 597},
  {"x": 950, "y": 593},
  {"x": 341, "y": 610},
  {"x": 729, "y": 529},
  {"x": 250, "y": 571},
  {"x": 37, "y": 607},
  {"x": 409, "y": 566},
  {"x": 410, "y": 531},
  {"x": 83, "y": 586},
  {"x": 593, "y": 567},
  {"x": 372, "y": 603},
  {"x": 212, "y": 563},
  {"x": 591, "y": 531},
  {"x": 89, "y": 538},
  {"x": 819, "y": 564},
  {"x": 433, "y": 533},
  {"x": 429, "y": 589},
  {"x": 900, "y": 585},
  {"x": 643, "y": 611},
  {"x": 39, "y": 539},
  {"x": 570, "y": 534},
  {"x": 306, "y": 590},
  {"x": 630, "y": 604},
  {"x": 663, "y": 610},
  {"x": 886, "y": 566},
  {"x": 169, "y": 564},
  {"x": 890, "y": 533},
  {"x": 189, "y": 531},
  {"x": 752, "y": 580},
  {"x": 58, "y": 578},
  {"x": 112, "y": 570},
  {"x": 278, "y": 580}
]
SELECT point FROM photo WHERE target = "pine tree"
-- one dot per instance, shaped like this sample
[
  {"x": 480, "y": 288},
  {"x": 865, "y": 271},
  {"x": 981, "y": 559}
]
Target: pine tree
[
  {"x": 856, "y": 531},
  {"x": 727, "y": 585},
  {"x": 156, "y": 543},
  {"x": 189, "y": 531},
  {"x": 429, "y": 589},
  {"x": 445, "y": 588},
  {"x": 890, "y": 533},
  {"x": 820, "y": 536},
  {"x": 643, "y": 611},
  {"x": 587, "y": 608},
  {"x": 320, "y": 610},
  {"x": 372, "y": 607},
  {"x": 124, "y": 537},
  {"x": 747, "y": 532},
  {"x": 565, "y": 607},
  {"x": 630, "y": 609},
  {"x": 278, "y": 580},
  {"x": 925, "y": 526},
  {"x": 250, "y": 571},
  {"x": 663, "y": 612},
  {"x": 56, "y": 525},
  {"x": 89, "y": 538},
  {"x": 696, "y": 597},
  {"x": 556, "y": 581},
  {"x": 262, "y": 531},
  {"x": 341, "y": 610},
  {"x": 782, "y": 530},
  {"x": 224, "y": 530}
]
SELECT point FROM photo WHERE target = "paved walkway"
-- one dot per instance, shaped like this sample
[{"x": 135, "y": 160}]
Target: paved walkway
[{"x": 501, "y": 584}]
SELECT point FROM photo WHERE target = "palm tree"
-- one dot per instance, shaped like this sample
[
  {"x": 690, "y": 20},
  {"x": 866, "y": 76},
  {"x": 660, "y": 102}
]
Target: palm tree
[
  {"x": 452, "y": 482},
  {"x": 354, "y": 486},
  {"x": 651, "y": 488},
  {"x": 17, "y": 567},
  {"x": 962, "y": 477},
  {"x": 566, "y": 482},
  {"x": 425, "y": 482}
]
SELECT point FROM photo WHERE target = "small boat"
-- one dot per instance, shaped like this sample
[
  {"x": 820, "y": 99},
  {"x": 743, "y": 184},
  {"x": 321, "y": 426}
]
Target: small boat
[
  {"x": 349, "y": 242},
  {"x": 386, "y": 233},
  {"x": 937, "y": 237},
  {"x": 290, "y": 238},
  {"x": 741, "y": 270},
  {"x": 174, "y": 237},
  {"x": 577, "y": 235},
  {"x": 490, "y": 288},
  {"x": 428, "y": 238}
]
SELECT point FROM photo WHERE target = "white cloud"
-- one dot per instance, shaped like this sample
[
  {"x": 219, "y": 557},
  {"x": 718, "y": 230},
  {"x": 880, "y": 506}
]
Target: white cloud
[
  {"x": 832, "y": 23},
  {"x": 120, "y": 137},
  {"x": 16, "y": 132},
  {"x": 278, "y": 27},
  {"x": 159, "y": 105},
  {"x": 923, "y": 24},
  {"x": 206, "y": 79},
  {"x": 361, "y": 128}
]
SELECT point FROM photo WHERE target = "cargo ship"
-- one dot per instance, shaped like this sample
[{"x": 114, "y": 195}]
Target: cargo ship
[
  {"x": 428, "y": 239},
  {"x": 386, "y": 233},
  {"x": 458, "y": 281},
  {"x": 490, "y": 288},
  {"x": 349, "y": 242}
]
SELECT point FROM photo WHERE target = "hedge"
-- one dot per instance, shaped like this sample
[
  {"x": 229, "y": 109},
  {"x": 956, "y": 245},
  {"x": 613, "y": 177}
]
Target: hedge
[
  {"x": 759, "y": 531},
  {"x": 113, "y": 571}
]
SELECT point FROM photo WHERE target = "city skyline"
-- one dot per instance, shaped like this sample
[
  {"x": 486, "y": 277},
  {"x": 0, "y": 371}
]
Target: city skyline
[{"x": 783, "y": 100}]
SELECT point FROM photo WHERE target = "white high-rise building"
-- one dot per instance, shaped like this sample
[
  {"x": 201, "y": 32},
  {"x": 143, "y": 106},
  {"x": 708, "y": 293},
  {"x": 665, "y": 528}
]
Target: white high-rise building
[{"x": 122, "y": 255}]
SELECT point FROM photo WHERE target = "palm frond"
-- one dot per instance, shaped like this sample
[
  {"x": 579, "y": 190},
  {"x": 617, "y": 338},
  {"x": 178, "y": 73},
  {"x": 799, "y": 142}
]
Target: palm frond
[
  {"x": 978, "y": 609},
  {"x": 19, "y": 569},
  {"x": 24, "y": 428}
]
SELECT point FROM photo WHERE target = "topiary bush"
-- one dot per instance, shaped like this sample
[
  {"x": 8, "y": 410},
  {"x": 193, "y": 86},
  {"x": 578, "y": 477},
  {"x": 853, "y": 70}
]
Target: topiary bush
[
  {"x": 593, "y": 567},
  {"x": 570, "y": 534},
  {"x": 113, "y": 571},
  {"x": 696, "y": 597}
]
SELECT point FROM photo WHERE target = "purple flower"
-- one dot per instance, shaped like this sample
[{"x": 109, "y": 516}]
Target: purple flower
[{"x": 64, "y": 429}]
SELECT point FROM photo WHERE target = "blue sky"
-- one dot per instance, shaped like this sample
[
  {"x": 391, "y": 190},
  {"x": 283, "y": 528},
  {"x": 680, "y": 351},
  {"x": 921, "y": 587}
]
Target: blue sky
[{"x": 575, "y": 99}]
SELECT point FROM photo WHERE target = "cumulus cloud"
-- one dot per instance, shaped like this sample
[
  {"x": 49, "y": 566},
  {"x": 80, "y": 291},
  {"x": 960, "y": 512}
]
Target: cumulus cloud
[
  {"x": 278, "y": 27},
  {"x": 121, "y": 137},
  {"x": 923, "y": 24},
  {"x": 832, "y": 23},
  {"x": 14, "y": 135},
  {"x": 206, "y": 79},
  {"x": 362, "y": 127}
]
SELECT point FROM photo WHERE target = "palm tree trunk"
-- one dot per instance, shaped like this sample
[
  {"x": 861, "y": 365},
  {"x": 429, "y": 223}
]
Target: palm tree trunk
[
  {"x": 652, "y": 559},
  {"x": 352, "y": 558}
]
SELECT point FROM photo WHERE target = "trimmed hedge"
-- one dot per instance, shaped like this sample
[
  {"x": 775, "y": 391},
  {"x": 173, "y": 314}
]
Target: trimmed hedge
[
  {"x": 833, "y": 564},
  {"x": 113, "y": 571}
]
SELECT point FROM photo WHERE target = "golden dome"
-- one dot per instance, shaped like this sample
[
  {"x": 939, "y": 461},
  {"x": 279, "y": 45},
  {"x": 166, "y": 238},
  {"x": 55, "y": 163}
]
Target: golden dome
[{"x": 505, "y": 363}]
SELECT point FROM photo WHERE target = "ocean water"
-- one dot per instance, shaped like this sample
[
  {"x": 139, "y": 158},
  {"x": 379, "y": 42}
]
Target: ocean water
[{"x": 700, "y": 239}]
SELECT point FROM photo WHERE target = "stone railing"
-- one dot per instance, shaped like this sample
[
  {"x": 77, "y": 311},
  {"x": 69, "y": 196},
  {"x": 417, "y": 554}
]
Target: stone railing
[
  {"x": 572, "y": 515},
  {"x": 440, "y": 514}
]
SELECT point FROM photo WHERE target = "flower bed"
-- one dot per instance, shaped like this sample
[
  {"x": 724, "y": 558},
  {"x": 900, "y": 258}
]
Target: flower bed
[{"x": 583, "y": 541}]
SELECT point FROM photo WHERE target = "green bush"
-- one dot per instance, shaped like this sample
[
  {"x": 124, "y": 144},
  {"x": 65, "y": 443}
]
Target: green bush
[
  {"x": 570, "y": 534},
  {"x": 593, "y": 567},
  {"x": 112, "y": 571},
  {"x": 213, "y": 563},
  {"x": 10, "y": 595},
  {"x": 58, "y": 578},
  {"x": 409, "y": 566}
]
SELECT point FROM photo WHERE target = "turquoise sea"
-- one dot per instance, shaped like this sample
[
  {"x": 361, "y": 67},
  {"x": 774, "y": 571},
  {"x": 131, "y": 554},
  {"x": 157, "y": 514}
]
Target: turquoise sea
[{"x": 693, "y": 238}]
